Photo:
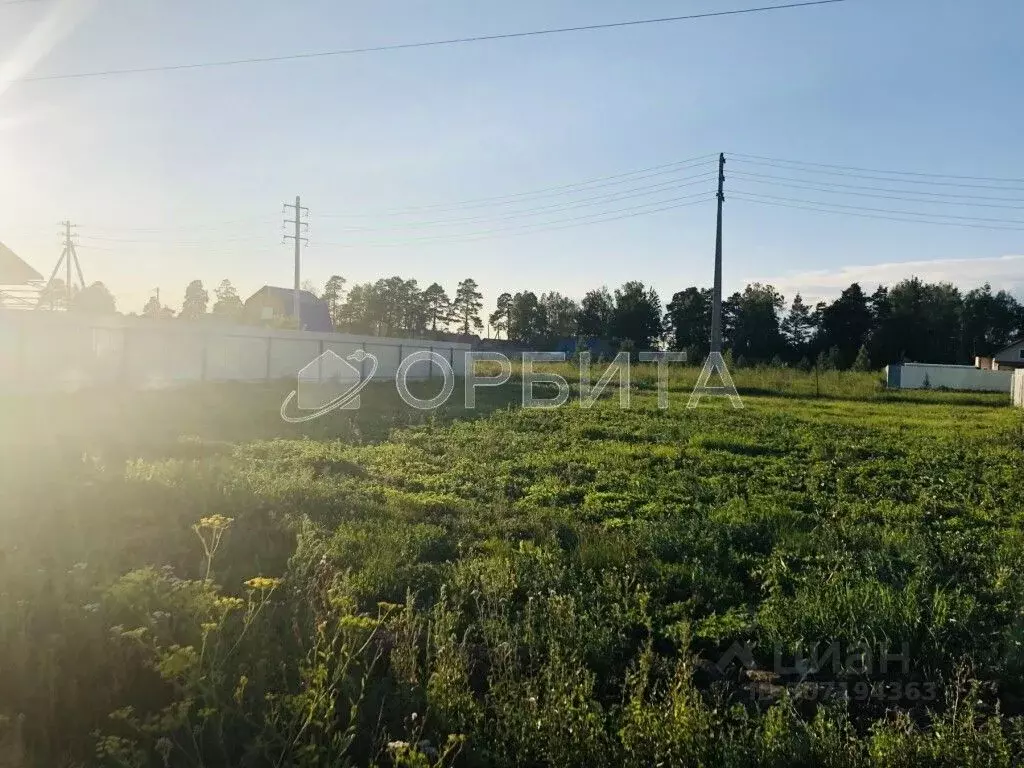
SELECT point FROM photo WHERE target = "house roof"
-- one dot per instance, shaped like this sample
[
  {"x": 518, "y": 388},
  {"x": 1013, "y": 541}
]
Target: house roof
[
  {"x": 14, "y": 270},
  {"x": 1009, "y": 346},
  {"x": 314, "y": 314}
]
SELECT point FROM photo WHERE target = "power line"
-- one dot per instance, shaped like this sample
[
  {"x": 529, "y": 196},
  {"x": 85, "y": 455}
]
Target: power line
[
  {"x": 198, "y": 243},
  {"x": 890, "y": 179},
  {"x": 426, "y": 43},
  {"x": 886, "y": 210},
  {"x": 587, "y": 202},
  {"x": 875, "y": 170},
  {"x": 875, "y": 216},
  {"x": 517, "y": 197},
  {"x": 541, "y": 227},
  {"x": 188, "y": 227},
  {"x": 879, "y": 213},
  {"x": 845, "y": 189}
]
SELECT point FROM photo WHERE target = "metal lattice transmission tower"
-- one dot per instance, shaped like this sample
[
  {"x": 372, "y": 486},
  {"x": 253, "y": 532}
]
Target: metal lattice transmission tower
[{"x": 68, "y": 257}]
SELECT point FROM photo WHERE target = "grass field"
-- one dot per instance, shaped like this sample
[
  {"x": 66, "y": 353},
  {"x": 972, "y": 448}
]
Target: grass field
[{"x": 186, "y": 580}]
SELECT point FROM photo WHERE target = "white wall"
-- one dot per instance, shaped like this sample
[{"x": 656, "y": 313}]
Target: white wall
[
  {"x": 1011, "y": 356},
  {"x": 960, "y": 377},
  {"x": 42, "y": 350}
]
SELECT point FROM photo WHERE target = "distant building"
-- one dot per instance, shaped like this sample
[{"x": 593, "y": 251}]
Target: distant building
[
  {"x": 271, "y": 305},
  {"x": 19, "y": 283},
  {"x": 1010, "y": 357}
]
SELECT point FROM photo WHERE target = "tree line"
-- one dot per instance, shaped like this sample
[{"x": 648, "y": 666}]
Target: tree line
[{"x": 911, "y": 320}]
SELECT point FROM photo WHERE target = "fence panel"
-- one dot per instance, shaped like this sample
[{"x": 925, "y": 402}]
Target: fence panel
[
  {"x": 56, "y": 350},
  {"x": 956, "y": 377}
]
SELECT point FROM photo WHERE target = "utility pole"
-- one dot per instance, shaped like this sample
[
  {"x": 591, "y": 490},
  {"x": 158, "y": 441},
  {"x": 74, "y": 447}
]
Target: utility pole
[
  {"x": 298, "y": 223},
  {"x": 67, "y": 256},
  {"x": 67, "y": 261},
  {"x": 716, "y": 300}
]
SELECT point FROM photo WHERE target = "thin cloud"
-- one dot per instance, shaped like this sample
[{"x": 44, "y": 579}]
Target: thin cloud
[{"x": 1002, "y": 273}]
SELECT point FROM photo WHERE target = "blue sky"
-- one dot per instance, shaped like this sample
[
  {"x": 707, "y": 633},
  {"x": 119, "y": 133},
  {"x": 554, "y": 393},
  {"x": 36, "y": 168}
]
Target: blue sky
[{"x": 193, "y": 166}]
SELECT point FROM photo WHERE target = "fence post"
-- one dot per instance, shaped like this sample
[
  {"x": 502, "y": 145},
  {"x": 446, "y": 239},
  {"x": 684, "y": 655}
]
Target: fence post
[
  {"x": 430, "y": 366},
  {"x": 401, "y": 356},
  {"x": 270, "y": 341},
  {"x": 362, "y": 364}
]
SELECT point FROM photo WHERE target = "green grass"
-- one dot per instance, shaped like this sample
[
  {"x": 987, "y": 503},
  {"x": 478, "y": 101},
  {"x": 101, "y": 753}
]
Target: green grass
[{"x": 510, "y": 587}]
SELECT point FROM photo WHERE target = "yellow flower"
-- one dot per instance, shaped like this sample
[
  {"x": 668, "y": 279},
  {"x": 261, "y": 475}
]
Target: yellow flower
[
  {"x": 215, "y": 522},
  {"x": 358, "y": 622},
  {"x": 228, "y": 604},
  {"x": 262, "y": 583}
]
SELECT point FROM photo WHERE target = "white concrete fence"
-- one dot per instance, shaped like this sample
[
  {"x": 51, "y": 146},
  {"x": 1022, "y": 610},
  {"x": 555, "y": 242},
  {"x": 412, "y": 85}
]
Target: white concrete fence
[
  {"x": 1018, "y": 388},
  {"x": 957, "y": 377},
  {"x": 65, "y": 351}
]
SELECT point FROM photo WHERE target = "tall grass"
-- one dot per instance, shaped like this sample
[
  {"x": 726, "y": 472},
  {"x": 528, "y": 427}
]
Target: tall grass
[{"x": 186, "y": 580}]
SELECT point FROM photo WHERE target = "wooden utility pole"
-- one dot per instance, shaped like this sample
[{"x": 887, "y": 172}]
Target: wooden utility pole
[
  {"x": 716, "y": 299},
  {"x": 299, "y": 239}
]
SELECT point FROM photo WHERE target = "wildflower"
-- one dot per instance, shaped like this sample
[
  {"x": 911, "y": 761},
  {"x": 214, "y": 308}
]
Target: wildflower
[
  {"x": 358, "y": 622},
  {"x": 228, "y": 604},
  {"x": 394, "y": 746},
  {"x": 262, "y": 583},
  {"x": 91, "y": 607},
  {"x": 215, "y": 522}
]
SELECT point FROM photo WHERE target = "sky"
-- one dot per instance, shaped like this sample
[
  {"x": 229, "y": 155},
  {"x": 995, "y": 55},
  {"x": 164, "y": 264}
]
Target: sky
[{"x": 181, "y": 175}]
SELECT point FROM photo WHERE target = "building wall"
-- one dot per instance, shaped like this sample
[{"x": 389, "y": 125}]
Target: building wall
[
  {"x": 60, "y": 351},
  {"x": 1011, "y": 358},
  {"x": 959, "y": 377}
]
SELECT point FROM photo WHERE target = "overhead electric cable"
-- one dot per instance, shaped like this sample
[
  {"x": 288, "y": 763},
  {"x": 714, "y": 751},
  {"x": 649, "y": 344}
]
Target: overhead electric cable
[{"x": 422, "y": 44}]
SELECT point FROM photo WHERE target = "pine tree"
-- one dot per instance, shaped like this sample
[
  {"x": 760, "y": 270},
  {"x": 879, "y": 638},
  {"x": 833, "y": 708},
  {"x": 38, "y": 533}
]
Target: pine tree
[
  {"x": 466, "y": 306},
  {"x": 500, "y": 316},
  {"x": 334, "y": 289},
  {"x": 438, "y": 307}
]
